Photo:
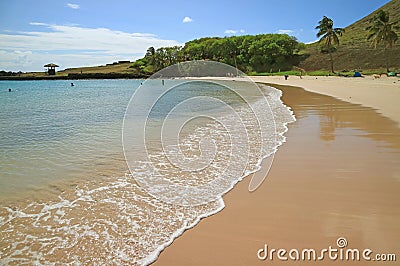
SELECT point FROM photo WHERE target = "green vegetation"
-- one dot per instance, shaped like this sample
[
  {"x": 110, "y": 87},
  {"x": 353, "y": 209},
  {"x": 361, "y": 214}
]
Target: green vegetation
[
  {"x": 311, "y": 73},
  {"x": 259, "y": 53},
  {"x": 9, "y": 73},
  {"x": 329, "y": 36},
  {"x": 266, "y": 54},
  {"x": 282, "y": 73},
  {"x": 381, "y": 31},
  {"x": 270, "y": 54},
  {"x": 355, "y": 51},
  {"x": 110, "y": 71}
]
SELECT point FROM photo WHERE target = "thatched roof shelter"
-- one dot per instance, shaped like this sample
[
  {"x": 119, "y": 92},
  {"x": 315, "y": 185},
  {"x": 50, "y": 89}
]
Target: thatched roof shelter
[
  {"x": 51, "y": 68},
  {"x": 51, "y": 65}
]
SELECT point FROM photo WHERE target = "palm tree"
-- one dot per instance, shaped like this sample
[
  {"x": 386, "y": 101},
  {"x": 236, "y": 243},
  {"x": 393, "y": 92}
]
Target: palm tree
[
  {"x": 329, "y": 35},
  {"x": 381, "y": 31}
]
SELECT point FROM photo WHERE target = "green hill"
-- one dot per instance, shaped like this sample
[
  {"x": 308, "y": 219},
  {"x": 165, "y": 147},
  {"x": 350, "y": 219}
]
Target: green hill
[
  {"x": 354, "y": 51},
  {"x": 264, "y": 52}
]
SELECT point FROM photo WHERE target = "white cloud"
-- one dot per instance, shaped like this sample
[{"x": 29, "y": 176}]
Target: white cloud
[
  {"x": 285, "y": 32},
  {"x": 231, "y": 32},
  {"x": 187, "y": 19},
  {"x": 73, "y": 6},
  {"x": 38, "y": 24},
  {"x": 72, "y": 46}
]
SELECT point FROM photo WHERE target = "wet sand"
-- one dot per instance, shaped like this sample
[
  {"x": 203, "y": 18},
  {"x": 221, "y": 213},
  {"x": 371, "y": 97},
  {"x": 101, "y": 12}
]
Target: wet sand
[
  {"x": 382, "y": 94},
  {"x": 338, "y": 175}
]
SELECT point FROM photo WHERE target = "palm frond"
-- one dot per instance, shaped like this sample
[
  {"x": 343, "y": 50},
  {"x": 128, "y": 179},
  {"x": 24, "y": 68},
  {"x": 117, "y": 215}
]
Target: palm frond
[{"x": 381, "y": 30}]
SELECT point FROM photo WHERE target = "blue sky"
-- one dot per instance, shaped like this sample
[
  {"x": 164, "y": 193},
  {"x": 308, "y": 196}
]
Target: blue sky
[{"x": 85, "y": 33}]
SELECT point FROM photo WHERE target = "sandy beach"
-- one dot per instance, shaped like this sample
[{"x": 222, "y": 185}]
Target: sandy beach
[
  {"x": 381, "y": 94},
  {"x": 338, "y": 175}
]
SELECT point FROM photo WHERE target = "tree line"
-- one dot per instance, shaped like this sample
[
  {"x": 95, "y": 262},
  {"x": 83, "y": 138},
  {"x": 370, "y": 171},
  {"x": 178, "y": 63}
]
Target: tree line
[
  {"x": 264, "y": 52},
  {"x": 258, "y": 53}
]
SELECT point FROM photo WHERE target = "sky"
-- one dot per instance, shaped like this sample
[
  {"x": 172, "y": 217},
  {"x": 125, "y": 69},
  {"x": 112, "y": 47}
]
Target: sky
[{"x": 77, "y": 33}]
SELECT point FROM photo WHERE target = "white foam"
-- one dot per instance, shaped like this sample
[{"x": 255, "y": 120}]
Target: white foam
[
  {"x": 277, "y": 95},
  {"x": 117, "y": 218}
]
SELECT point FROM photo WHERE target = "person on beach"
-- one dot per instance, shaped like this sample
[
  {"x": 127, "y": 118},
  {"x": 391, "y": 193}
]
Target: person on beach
[{"x": 286, "y": 77}]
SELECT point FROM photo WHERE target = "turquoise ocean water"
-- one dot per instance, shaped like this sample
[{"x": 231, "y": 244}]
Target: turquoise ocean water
[
  {"x": 66, "y": 193},
  {"x": 50, "y": 130}
]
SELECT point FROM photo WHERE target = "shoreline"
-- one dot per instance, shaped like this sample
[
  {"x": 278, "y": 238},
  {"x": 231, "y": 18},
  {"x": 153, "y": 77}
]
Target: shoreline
[
  {"x": 154, "y": 256},
  {"x": 294, "y": 190},
  {"x": 380, "y": 94},
  {"x": 323, "y": 142},
  {"x": 77, "y": 76}
]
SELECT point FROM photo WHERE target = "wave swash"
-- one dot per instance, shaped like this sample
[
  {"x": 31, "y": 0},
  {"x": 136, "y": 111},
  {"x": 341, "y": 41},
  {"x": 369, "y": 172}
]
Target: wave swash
[{"x": 188, "y": 138}]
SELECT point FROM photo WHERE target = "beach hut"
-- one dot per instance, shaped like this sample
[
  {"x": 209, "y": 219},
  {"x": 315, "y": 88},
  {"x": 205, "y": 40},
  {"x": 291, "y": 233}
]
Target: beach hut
[{"x": 51, "y": 69}]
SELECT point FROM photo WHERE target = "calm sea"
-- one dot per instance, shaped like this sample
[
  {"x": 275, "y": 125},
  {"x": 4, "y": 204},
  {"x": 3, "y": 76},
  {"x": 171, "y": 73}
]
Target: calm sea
[{"x": 67, "y": 194}]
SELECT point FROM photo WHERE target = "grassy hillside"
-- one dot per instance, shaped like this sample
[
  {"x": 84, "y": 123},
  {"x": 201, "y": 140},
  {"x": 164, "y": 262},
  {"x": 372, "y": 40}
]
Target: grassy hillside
[
  {"x": 354, "y": 51},
  {"x": 110, "y": 68},
  {"x": 116, "y": 70},
  {"x": 120, "y": 68}
]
